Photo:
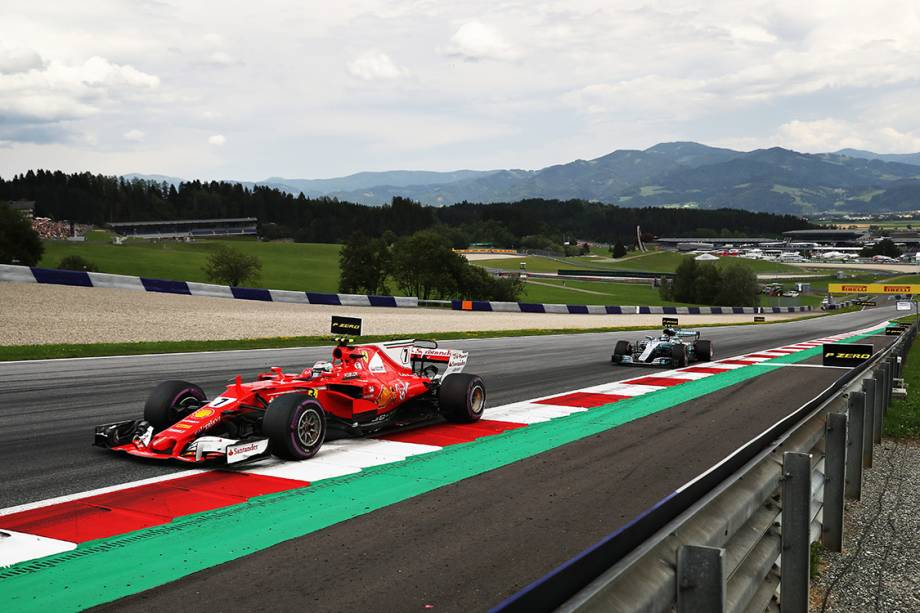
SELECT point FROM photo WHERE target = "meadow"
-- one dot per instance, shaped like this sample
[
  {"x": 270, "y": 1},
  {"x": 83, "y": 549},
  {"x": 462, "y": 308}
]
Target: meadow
[{"x": 293, "y": 266}]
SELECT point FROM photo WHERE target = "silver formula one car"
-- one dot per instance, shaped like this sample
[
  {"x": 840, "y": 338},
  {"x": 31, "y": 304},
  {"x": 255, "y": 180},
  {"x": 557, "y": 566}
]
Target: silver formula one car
[{"x": 675, "y": 348}]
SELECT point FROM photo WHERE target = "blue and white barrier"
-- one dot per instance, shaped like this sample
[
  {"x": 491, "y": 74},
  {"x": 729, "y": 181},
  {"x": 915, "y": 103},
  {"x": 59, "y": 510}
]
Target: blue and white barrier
[
  {"x": 25, "y": 274},
  {"x": 581, "y": 309}
]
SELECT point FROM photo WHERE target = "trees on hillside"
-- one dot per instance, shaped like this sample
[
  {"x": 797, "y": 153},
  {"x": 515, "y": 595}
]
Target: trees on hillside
[
  {"x": 534, "y": 223},
  {"x": 19, "y": 243},
  {"x": 423, "y": 265},
  {"x": 229, "y": 266},
  {"x": 694, "y": 283},
  {"x": 365, "y": 264}
]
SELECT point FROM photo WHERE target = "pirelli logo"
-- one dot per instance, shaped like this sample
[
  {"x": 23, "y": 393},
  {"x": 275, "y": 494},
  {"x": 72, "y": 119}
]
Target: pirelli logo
[
  {"x": 846, "y": 354},
  {"x": 873, "y": 288}
]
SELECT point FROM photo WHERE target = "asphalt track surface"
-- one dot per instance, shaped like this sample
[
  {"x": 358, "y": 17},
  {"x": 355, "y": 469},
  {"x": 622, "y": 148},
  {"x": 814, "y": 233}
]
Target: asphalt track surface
[{"x": 462, "y": 547}]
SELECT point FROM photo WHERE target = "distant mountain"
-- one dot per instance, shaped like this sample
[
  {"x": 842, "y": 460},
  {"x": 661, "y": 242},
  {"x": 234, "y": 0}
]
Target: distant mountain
[
  {"x": 365, "y": 180},
  {"x": 903, "y": 158},
  {"x": 684, "y": 174},
  {"x": 692, "y": 154},
  {"x": 154, "y": 178},
  {"x": 678, "y": 174}
]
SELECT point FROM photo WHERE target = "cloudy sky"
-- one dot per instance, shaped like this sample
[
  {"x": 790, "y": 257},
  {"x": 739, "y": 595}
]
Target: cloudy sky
[{"x": 306, "y": 89}]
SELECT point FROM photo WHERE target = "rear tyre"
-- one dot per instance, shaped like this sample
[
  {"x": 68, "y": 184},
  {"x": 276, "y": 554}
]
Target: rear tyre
[
  {"x": 621, "y": 349},
  {"x": 171, "y": 401},
  {"x": 462, "y": 398},
  {"x": 703, "y": 350},
  {"x": 678, "y": 356},
  {"x": 295, "y": 425}
]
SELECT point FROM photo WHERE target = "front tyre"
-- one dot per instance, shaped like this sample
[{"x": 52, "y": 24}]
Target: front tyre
[
  {"x": 622, "y": 348},
  {"x": 171, "y": 401},
  {"x": 462, "y": 398},
  {"x": 678, "y": 356},
  {"x": 295, "y": 425},
  {"x": 703, "y": 350}
]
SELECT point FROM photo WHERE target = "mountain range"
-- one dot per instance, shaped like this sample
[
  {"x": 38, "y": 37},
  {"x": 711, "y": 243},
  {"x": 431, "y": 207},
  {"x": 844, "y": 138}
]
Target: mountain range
[{"x": 677, "y": 174}]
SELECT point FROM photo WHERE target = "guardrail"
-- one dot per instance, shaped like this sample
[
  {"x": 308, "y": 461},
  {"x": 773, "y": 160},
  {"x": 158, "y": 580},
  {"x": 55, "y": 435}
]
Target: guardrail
[
  {"x": 742, "y": 541},
  {"x": 594, "y": 309}
]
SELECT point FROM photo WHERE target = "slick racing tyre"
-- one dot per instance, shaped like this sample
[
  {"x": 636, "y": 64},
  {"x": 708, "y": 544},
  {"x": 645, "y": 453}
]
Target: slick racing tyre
[
  {"x": 295, "y": 425},
  {"x": 171, "y": 401},
  {"x": 462, "y": 398},
  {"x": 703, "y": 350},
  {"x": 621, "y": 349},
  {"x": 678, "y": 356}
]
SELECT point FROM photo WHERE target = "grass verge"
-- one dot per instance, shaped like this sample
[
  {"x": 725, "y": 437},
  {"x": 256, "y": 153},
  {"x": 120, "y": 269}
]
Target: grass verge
[
  {"x": 903, "y": 417},
  {"x": 293, "y": 266},
  {"x": 94, "y": 350}
]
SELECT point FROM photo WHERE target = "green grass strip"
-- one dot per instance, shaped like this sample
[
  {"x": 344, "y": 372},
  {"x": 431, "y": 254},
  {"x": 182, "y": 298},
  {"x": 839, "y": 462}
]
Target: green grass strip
[
  {"x": 107, "y": 569},
  {"x": 91, "y": 350},
  {"x": 903, "y": 417}
]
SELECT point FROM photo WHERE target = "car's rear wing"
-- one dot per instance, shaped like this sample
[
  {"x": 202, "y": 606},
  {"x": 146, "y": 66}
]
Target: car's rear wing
[
  {"x": 451, "y": 360},
  {"x": 688, "y": 333}
]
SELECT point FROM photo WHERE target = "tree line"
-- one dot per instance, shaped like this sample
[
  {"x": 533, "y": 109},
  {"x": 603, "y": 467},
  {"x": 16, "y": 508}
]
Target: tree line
[
  {"x": 422, "y": 264},
  {"x": 732, "y": 285},
  {"x": 533, "y": 223}
]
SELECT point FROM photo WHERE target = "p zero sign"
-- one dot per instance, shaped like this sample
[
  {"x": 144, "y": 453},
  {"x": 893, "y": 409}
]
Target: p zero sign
[
  {"x": 846, "y": 354},
  {"x": 346, "y": 325},
  {"x": 873, "y": 288},
  {"x": 669, "y": 322}
]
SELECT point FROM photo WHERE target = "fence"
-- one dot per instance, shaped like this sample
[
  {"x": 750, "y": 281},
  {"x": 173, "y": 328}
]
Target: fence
[
  {"x": 743, "y": 543},
  {"x": 591, "y": 309}
]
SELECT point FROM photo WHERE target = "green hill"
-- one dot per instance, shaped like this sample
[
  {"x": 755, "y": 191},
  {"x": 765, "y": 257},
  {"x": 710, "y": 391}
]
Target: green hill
[{"x": 293, "y": 266}]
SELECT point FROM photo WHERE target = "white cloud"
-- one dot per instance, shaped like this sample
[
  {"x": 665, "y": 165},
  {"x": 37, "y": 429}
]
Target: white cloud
[
  {"x": 649, "y": 96},
  {"x": 749, "y": 33},
  {"x": 212, "y": 38},
  {"x": 62, "y": 91},
  {"x": 831, "y": 134},
  {"x": 483, "y": 83},
  {"x": 134, "y": 135},
  {"x": 217, "y": 139},
  {"x": 475, "y": 41},
  {"x": 221, "y": 58},
  {"x": 19, "y": 59},
  {"x": 373, "y": 65}
]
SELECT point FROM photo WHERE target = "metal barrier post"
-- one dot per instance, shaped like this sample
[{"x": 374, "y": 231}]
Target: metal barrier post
[
  {"x": 868, "y": 426},
  {"x": 834, "y": 476},
  {"x": 885, "y": 372},
  {"x": 700, "y": 579},
  {"x": 879, "y": 405},
  {"x": 889, "y": 363},
  {"x": 794, "y": 559},
  {"x": 856, "y": 417}
]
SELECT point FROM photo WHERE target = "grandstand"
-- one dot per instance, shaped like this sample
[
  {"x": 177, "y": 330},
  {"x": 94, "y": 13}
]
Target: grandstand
[{"x": 187, "y": 228}]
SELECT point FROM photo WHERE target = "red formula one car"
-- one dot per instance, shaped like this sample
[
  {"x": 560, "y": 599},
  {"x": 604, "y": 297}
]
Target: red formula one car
[{"x": 363, "y": 389}]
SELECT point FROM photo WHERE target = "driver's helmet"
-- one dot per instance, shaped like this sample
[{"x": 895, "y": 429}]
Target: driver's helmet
[{"x": 667, "y": 332}]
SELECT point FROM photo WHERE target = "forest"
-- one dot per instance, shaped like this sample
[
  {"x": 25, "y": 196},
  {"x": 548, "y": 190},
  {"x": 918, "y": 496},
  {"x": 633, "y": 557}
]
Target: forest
[{"x": 100, "y": 199}]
